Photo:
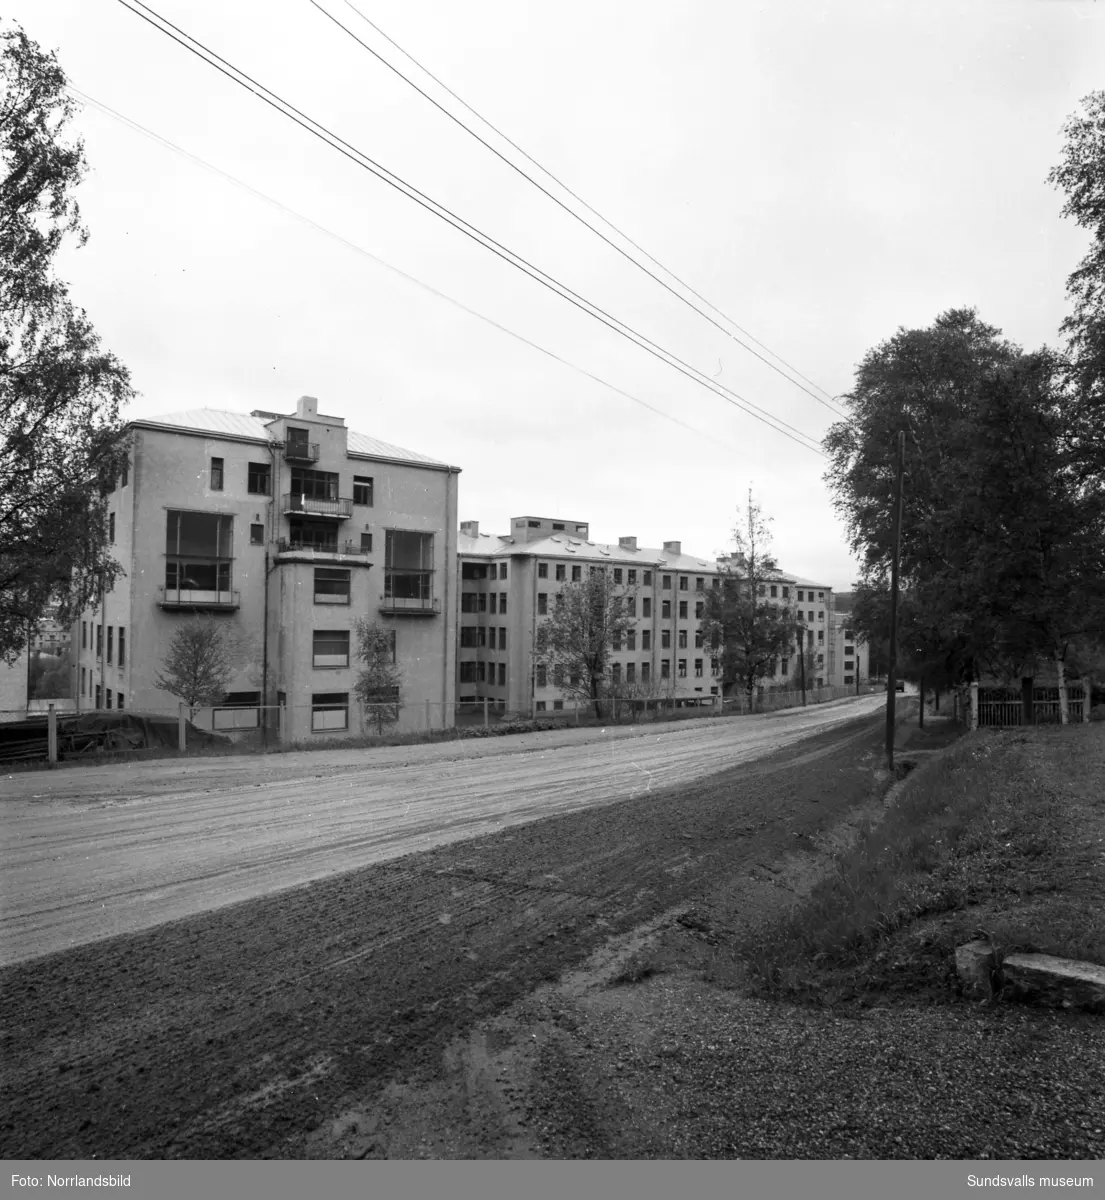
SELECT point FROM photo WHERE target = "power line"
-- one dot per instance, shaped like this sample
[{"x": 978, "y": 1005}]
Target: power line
[
  {"x": 667, "y": 270},
  {"x": 337, "y": 237},
  {"x": 439, "y": 210}
]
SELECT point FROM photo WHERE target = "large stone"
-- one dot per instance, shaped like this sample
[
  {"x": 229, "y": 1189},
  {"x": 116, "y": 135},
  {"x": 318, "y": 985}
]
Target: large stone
[
  {"x": 1056, "y": 982},
  {"x": 974, "y": 964}
]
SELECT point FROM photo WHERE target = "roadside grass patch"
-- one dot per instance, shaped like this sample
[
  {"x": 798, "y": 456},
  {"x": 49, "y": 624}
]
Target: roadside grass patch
[{"x": 1004, "y": 835}]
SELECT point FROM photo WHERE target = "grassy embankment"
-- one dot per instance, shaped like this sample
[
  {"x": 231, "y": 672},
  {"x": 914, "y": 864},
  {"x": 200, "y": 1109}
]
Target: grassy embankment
[{"x": 1003, "y": 833}]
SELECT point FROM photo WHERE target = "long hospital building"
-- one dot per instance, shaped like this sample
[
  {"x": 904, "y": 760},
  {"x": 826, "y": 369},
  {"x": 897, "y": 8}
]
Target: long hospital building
[{"x": 286, "y": 529}]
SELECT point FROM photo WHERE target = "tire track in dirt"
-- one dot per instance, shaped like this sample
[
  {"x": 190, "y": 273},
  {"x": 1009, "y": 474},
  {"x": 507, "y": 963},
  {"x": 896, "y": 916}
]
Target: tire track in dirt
[{"x": 234, "y": 1032}]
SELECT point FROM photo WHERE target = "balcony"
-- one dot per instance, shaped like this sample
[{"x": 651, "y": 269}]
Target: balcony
[
  {"x": 410, "y": 606},
  {"x": 310, "y": 549},
  {"x": 338, "y": 510},
  {"x": 192, "y": 599},
  {"x": 301, "y": 451}
]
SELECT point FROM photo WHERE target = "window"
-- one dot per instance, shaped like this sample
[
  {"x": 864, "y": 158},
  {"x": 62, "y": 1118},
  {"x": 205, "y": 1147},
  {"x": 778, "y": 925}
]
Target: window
[
  {"x": 199, "y": 548},
  {"x": 82, "y": 681},
  {"x": 665, "y": 583},
  {"x": 682, "y": 639},
  {"x": 502, "y": 637},
  {"x": 542, "y": 675},
  {"x": 558, "y": 675},
  {"x": 800, "y": 594},
  {"x": 630, "y": 606},
  {"x": 256, "y": 534},
  {"x": 502, "y": 602},
  {"x": 631, "y": 576},
  {"x": 540, "y": 705},
  {"x": 473, "y": 570},
  {"x": 558, "y": 705},
  {"x": 362, "y": 490},
  {"x": 699, "y": 584},
  {"x": 313, "y": 485},
  {"x": 573, "y": 679},
  {"x": 408, "y": 566},
  {"x": 698, "y": 639},
  {"x": 631, "y": 639},
  {"x": 665, "y": 668},
  {"x": 111, "y": 527},
  {"x": 124, "y": 479},
  {"x": 502, "y": 674},
  {"x": 665, "y": 639},
  {"x": 648, "y": 579},
  {"x": 774, "y": 591},
  {"x": 784, "y": 666},
  {"x": 646, "y": 639},
  {"x": 468, "y": 672},
  {"x": 617, "y": 574},
  {"x": 84, "y": 635},
  {"x": 119, "y": 699},
  {"x": 481, "y": 602},
  {"x": 502, "y": 570},
  {"x": 682, "y": 583},
  {"x": 558, "y": 524},
  {"x": 698, "y": 668},
  {"x": 665, "y": 610},
  {"x": 216, "y": 474},
  {"x": 542, "y": 604},
  {"x": 616, "y": 672},
  {"x": 820, "y": 596},
  {"x": 329, "y": 710},
  {"x": 532, "y": 524},
  {"x": 682, "y": 610},
  {"x": 560, "y": 572},
  {"x": 715, "y": 582},
  {"x": 848, "y": 635},
  {"x": 577, "y": 574},
  {"x": 616, "y": 640},
  {"x": 646, "y": 606},
  {"x": 332, "y": 585},
  {"x": 259, "y": 479},
  {"x": 468, "y": 602},
  {"x": 699, "y": 610},
  {"x": 786, "y": 592},
  {"x": 98, "y": 696},
  {"x": 849, "y": 678},
  {"x": 821, "y": 637},
  {"x": 821, "y": 614},
  {"x": 682, "y": 668},
  {"x": 810, "y": 614},
  {"x": 366, "y": 543},
  {"x": 542, "y": 570},
  {"x": 469, "y": 637},
  {"x": 542, "y": 638},
  {"x": 107, "y": 697},
  {"x": 110, "y": 641},
  {"x": 715, "y": 666},
  {"x": 761, "y": 590},
  {"x": 646, "y": 672},
  {"x": 331, "y": 648},
  {"x": 849, "y": 649},
  {"x": 494, "y": 601},
  {"x": 99, "y": 641},
  {"x": 630, "y": 671}
]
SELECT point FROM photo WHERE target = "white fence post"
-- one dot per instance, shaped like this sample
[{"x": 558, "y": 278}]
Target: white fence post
[
  {"x": 1087, "y": 696},
  {"x": 974, "y": 704},
  {"x": 182, "y": 730},
  {"x": 52, "y": 734}
]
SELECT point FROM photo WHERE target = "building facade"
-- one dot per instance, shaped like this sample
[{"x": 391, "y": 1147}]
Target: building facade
[
  {"x": 283, "y": 530},
  {"x": 507, "y": 589}
]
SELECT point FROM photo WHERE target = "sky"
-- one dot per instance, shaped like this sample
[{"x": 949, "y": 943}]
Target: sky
[{"x": 822, "y": 173}]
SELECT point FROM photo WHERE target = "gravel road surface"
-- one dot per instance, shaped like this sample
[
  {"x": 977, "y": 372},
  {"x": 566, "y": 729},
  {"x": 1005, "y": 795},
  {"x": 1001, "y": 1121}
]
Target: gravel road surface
[{"x": 92, "y": 852}]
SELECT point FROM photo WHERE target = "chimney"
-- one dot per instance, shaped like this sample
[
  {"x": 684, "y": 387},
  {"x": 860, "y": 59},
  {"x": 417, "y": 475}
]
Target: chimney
[
  {"x": 673, "y": 547},
  {"x": 307, "y": 407},
  {"x": 470, "y": 528},
  {"x": 627, "y": 543}
]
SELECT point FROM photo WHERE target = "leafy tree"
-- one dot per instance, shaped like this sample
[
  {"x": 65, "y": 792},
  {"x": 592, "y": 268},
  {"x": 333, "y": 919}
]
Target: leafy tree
[
  {"x": 50, "y": 677},
  {"x": 202, "y": 659},
  {"x": 586, "y": 621},
  {"x": 378, "y": 683},
  {"x": 744, "y": 627},
  {"x": 60, "y": 392}
]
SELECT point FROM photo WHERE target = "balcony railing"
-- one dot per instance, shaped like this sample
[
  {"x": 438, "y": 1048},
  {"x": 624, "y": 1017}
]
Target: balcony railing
[
  {"x": 309, "y": 505},
  {"x": 333, "y": 549},
  {"x": 213, "y": 600},
  {"x": 301, "y": 451},
  {"x": 413, "y": 606}
]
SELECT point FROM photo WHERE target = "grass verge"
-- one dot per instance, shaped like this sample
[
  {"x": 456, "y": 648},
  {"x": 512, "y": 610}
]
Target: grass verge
[{"x": 1004, "y": 833}]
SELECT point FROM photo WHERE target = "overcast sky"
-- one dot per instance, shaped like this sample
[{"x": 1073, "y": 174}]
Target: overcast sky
[{"x": 823, "y": 173}]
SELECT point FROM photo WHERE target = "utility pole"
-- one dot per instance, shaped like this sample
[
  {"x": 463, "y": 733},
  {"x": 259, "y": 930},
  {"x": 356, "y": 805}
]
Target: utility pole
[{"x": 892, "y": 671}]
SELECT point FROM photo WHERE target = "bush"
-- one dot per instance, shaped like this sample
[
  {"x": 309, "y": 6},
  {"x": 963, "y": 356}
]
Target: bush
[{"x": 1097, "y": 713}]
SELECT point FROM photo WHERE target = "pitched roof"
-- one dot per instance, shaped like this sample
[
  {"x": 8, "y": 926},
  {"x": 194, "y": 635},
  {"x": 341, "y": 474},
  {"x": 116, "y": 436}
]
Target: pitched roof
[{"x": 233, "y": 424}]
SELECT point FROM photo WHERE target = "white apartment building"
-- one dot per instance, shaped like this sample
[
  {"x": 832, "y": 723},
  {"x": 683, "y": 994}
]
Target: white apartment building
[
  {"x": 284, "y": 528},
  {"x": 507, "y": 585}
]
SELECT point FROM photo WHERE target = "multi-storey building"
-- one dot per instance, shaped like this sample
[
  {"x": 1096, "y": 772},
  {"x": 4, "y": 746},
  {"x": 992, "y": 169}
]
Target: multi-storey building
[
  {"x": 852, "y": 655},
  {"x": 284, "y": 529},
  {"x": 508, "y": 586}
]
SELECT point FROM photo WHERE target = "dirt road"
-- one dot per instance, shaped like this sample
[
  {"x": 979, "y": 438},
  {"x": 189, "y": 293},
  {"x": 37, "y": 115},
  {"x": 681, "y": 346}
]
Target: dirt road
[
  {"x": 92, "y": 852},
  {"x": 255, "y": 1029}
]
